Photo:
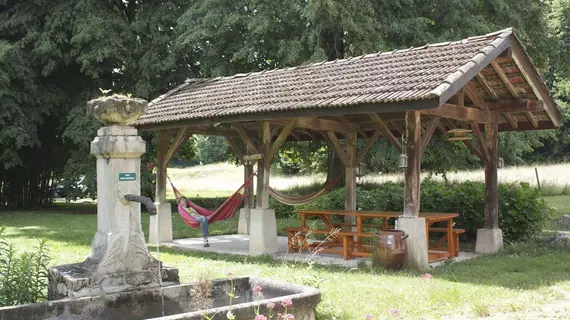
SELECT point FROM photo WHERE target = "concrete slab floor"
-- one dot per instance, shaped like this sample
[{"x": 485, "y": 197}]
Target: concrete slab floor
[{"x": 239, "y": 244}]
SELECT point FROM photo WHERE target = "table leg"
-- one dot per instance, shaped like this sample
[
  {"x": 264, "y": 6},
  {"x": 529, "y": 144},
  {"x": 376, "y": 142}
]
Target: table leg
[
  {"x": 359, "y": 230},
  {"x": 450, "y": 239},
  {"x": 384, "y": 223},
  {"x": 303, "y": 221}
]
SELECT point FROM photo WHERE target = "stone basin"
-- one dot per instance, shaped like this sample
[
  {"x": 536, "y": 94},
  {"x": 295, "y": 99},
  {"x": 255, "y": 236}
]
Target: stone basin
[{"x": 184, "y": 301}]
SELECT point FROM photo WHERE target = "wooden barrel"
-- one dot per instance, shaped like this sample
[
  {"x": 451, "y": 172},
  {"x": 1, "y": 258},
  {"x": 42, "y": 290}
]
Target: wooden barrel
[{"x": 390, "y": 250}]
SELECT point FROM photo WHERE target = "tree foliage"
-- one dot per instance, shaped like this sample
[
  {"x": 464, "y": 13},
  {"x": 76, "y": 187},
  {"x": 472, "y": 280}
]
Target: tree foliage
[{"x": 55, "y": 55}]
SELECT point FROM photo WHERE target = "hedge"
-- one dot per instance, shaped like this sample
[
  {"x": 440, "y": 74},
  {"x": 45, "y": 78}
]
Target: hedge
[{"x": 522, "y": 211}]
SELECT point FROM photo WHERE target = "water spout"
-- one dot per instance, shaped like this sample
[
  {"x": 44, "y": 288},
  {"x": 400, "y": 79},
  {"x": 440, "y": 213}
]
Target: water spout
[{"x": 144, "y": 200}]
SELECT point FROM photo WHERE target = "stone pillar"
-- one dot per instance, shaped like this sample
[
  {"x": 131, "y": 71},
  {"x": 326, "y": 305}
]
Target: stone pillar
[
  {"x": 160, "y": 226},
  {"x": 263, "y": 225},
  {"x": 490, "y": 238},
  {"x": 119, "y": 257},
  {"x": 415, "y": 227}
]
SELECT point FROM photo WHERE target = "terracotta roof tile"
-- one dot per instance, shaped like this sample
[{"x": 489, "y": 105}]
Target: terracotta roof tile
[{"x": 400, "y": 75}]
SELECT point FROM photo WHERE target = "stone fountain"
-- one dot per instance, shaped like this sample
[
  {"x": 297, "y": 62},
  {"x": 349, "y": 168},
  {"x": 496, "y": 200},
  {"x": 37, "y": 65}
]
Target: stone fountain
[
  {"x": 119, "y": 258},
  {"x": 119, "y": 279}
]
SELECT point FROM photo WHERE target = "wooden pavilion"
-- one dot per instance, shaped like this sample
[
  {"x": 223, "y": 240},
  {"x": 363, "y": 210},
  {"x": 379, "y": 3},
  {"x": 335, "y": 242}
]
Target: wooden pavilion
[{"x": 483, "y": 84}]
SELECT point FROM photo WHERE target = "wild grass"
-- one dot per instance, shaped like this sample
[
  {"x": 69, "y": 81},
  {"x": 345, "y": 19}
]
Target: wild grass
[
  {"x": 223, "y": 179},
  {"x": 525, "y": 277}
]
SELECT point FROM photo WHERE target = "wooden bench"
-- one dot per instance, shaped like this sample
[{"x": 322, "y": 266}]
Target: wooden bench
[
  {"x": 456, "y": 233},
  {"x": 347, "y": 243}
]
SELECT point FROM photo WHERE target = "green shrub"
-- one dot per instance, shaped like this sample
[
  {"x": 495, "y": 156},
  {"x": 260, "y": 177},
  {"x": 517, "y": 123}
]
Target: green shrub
[
  {"x": 23, "y": 277},
  {"x": 522, "y": 211}
]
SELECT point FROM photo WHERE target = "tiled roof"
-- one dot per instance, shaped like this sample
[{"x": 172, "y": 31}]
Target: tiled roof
[{"x": 427, "y": 72}]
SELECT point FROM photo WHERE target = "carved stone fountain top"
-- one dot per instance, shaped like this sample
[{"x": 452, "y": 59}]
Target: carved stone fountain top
[{"x": 117, "y": 109}]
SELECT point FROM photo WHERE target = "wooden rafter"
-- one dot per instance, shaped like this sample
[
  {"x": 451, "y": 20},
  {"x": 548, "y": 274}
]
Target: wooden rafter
[
  {"x": 368, "y": 146},
  {"x": 505, "y": 79},
  {"x": 282, "y": 137},
  {"x": 485, "y": 84},
  {"x": 481, "y": 141},
  {"x": 480, "y": 103},
  {"x": 513, "y": 91},
  {"x": 455, "y": 112},
  {"x": 180, "y": 138},
  {"x": 337, "y": 147},
  {"x": 426, "y": 137},
  {"x": 532, "y": 77},
  {"x": 234, "y": 148},
  {"x": 245, "y": 137},
  {"x": 397, "y": 127},
  {"x": 386, "y": 133}
]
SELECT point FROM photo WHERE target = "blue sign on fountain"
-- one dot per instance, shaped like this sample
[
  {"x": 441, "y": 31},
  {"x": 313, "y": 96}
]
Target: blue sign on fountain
[{"x": 127, "y": 176}]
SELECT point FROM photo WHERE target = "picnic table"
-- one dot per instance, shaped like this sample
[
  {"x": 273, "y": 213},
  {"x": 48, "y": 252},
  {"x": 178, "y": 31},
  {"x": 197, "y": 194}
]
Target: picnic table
[{"x": 349, "y": 237}]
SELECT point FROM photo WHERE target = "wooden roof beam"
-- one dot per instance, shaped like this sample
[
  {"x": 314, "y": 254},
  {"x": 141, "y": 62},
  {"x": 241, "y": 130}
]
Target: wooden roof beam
[
  {"x": 386, "y": 133},
  {"x": 322, "y": 125},
  {"x": 455, "y": 112},
  {"x": 245, "y": 137}
]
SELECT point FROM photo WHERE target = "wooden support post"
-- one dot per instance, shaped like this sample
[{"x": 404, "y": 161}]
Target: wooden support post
[
  {"x": 160, "y": 225},
  {"x": 350, "y": 176},
  {"x": 412, "y": 178},
  {"x": 245, "y": 213},
  {"x": 491, "y": 176},
  {"x": 262, "y": 201},
  {"x": 161, "y": 150}
]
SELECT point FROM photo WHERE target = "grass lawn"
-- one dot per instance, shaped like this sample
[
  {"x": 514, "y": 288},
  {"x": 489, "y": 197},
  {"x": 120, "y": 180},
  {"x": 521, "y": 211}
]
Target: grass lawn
[{"x": 518, "y": 281}]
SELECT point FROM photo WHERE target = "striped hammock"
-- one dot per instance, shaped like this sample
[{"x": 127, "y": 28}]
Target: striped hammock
[
  {"x": 227, "y": 210},
  {"x": 301, "y": 200}
]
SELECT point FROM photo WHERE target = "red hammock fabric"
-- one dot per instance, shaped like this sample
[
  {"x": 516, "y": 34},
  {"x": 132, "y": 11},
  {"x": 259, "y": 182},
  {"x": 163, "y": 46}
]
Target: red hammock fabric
[{"x": 227, "y": 210}]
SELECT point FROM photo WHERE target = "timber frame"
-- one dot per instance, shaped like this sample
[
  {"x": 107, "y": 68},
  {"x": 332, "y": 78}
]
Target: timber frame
[{"x": 499, "y": 89}]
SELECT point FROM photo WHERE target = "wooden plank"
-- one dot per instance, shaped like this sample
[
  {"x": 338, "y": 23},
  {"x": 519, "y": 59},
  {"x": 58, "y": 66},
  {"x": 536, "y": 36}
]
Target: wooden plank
[
  {"x": 521, "y": 105},
  {"x": 282, "y": 137},
  {"x": 386, "y": 133},
  {"x": 505, "y": 79},
  {"x": 322, "y": 125},
  {"x": 491, "y": 176},
  {"x": 307, "y": 132},
  {"x": 481, "y": 141},
  {"x": 455, "y": 112},
  {"x": 337, "y": 147},
  {"x": 412, "y": 176},
  {"x": 429, "y": 133},
  {"x": 175, "y": 146},
  {"x": 244, "y": 136},
  {"x": 350, "y": 176},
  {"x": 485, "y": 84},
  {"x": 367, "y": 147},
  {"x": 235, "y": 149},
  {"x": 535, "y": 81}
]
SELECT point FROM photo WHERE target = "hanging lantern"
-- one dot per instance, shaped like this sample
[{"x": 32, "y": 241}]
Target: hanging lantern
[
  {"x": 458, "y": 134},
  {"x": 403, "y": 160}
]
